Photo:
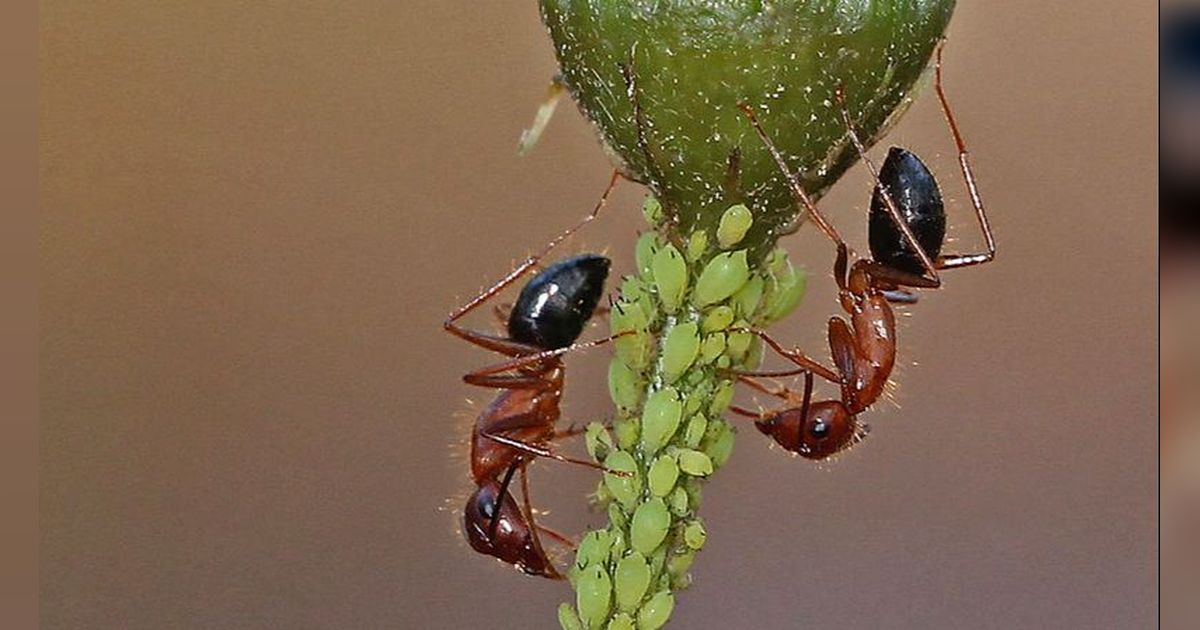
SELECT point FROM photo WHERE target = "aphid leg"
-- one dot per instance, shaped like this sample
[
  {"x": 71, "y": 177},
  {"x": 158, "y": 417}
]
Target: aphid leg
[
  {"x": 963, "y": 260},
  {"x": 501, "y": 345},
  {"x": 932, "y": 280}
]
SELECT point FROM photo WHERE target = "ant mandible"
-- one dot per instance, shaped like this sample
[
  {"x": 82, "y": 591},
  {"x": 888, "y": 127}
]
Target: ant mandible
[
  {"x": 907, "y": 228},
  {"x": 519, "y": 425}
]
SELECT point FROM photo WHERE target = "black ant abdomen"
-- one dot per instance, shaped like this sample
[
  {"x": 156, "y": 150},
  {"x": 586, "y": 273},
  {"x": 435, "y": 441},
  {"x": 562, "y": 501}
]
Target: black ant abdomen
[
  {"x": 915, "y": 193},
  {"x": 555, "y": 305}
]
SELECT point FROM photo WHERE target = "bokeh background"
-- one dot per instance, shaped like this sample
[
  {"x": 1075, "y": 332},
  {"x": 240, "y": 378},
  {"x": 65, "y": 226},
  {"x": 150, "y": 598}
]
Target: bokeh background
[{"x": 256, "y": 215}]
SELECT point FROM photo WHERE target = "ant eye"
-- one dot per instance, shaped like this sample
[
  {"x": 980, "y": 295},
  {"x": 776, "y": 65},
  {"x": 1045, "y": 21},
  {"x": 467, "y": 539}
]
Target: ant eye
[{"x": 820, "y": 429}]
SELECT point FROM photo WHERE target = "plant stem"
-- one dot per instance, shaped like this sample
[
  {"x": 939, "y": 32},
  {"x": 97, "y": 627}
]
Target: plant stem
[{"x": 691, "y": 306}]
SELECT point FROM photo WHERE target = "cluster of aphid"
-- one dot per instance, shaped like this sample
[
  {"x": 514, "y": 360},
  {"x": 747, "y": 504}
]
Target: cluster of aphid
[{"x": 679, "y": 349}]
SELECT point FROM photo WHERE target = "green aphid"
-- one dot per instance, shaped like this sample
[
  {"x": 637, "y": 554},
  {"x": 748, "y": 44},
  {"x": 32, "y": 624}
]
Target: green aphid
[
  {"x": 737, "y": 342},
  {"x": 593, "y": 549},
  {"x": 692, "y": 403},
  {"x": 616, "y": 517},
  {"x": 657, "y": 562},
  {"x": 660, "y": 418},
  {"x": 678, "y": 568},
  {"x": 652, "y": 211},
  {"x": 679, "y": 501},
  {"x": 723, "y": 362},
  {"x": 597, "y": 440},
  {"x": 625, "y": 488},
  {"x": 733, "y": 227},
  {"x": 619, "y": 546},
  {"x": 649, "y": 526},
  {"x": 748, "y": 297},
  {"x": 593, "y": 595},
  {"x": 624, "y": 385},
  {"x": 670, "y": 276},
  {"x": 695, "y": 463},
  {"x": 721, "y": 448},
  {"x": 663, "y": 473},
  {"x": 717, "y": 318},
  {"x": 630, "y": 580},
  {"x": 643, "y": 255},
  {"x": 657, "y": 611},
  {"x": 694, "y": 535},
  {"x": 721, "y": 278},
  {"x": 711, "y": 348},
  {"x": 626, "y": 430},
  {"x": 567, "y": 618},
  {"x": 697, "y": 245},
  {"x": 621, "y": 621},
  {"x": 694, "y": 433},
  {"x": 721, "y": 398},
  {"x": 754, "y": 355},
  {"x": 789, "y": 290},
  {"x": 633, "y": 350},
  {"x": 679, "y": 350}
]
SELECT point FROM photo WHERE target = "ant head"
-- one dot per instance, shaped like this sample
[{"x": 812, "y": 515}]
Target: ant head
[
  {"x": 914, "y": 191},
  {"x": 495, "y": 526},
  {"x": 827, "y": 429},
  {"x": 554, "y": 306}
]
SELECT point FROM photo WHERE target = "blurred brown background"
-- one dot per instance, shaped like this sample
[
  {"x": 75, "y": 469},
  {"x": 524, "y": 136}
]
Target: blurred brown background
[{"x": 256, "y": 216}]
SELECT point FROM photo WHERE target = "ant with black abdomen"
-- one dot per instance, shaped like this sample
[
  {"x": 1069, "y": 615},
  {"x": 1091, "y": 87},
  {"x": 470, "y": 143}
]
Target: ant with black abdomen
[
  {"x": 519, "y": 425},
  {"x": 906, "y": 233}
]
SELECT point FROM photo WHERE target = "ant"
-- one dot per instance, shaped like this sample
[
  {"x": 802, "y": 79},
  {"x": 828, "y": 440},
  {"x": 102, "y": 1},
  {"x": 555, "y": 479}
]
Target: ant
[
  {"x": 907, "y": 228},
  {"x": 519, "y": 425}
]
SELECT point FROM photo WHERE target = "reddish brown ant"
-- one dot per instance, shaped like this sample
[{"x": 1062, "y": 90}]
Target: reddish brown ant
[
  {"x": 907, "y": 229},
  {"x": 519, "y": 425}
]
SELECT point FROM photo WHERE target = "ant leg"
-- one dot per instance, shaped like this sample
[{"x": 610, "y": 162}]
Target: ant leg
[
  {"x": 933, "y": 280},
  {"x": 508, "y": 475},
  {"x": 533, "y": 526},
  {"x": 507, "y": 381},
  {"x": 639, "y": 116},
  {"x": 539, "y": 451},
  {"x": 575, "y": 429},
  {"x": 798, "y": 194},
  {"x": 561, "y": 539},
  {"x": 795, "y": 356},
  {"x": 962, "y": 260},
  {"x": 505, "y": 346},
  {"x": 478, "y": 377},
  {"x": 742, "y": 411}
]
